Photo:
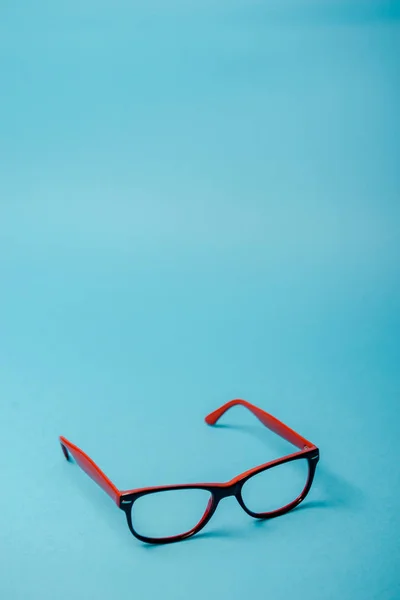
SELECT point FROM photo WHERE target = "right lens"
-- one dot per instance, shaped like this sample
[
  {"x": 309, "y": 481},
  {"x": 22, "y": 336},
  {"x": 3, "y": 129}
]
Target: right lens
[
  {"x": 169, "y": 513},
  {"x": 276, "y": 487}
]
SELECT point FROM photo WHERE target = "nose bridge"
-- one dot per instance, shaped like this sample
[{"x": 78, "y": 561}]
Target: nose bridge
[{"x": 229, "y": 490}]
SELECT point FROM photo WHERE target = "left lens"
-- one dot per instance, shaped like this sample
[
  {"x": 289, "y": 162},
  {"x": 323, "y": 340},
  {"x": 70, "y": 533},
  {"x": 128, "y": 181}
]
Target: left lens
[{"x": 169, "y": 513}]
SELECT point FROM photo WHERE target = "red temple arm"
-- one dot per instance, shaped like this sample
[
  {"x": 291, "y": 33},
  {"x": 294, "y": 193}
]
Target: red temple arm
[
  {"x": 90, "y": 467},
  {"x": 266, "y": 419}
]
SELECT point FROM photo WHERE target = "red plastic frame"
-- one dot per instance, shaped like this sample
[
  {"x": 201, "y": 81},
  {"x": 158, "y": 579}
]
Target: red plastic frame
[
  {"x": 266, "y": 419},
  {"x": 125, "y": 499},
  {"x": 90, "y": 468}
]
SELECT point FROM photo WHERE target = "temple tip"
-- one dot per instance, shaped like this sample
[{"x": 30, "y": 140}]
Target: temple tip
[
  {"x": 212, "y": 418},
  {"x": 65, "y": 452}
]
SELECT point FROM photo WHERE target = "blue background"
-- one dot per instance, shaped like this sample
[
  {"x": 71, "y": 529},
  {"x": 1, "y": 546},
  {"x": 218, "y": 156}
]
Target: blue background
[{"x": 198, "y": 201}]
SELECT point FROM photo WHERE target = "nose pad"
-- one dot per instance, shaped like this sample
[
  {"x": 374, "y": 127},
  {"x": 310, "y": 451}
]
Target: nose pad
[{"x": 228, "y": 514}]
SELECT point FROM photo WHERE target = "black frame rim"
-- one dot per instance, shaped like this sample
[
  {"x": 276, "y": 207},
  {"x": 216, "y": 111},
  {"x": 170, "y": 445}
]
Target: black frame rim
[{"x": 220, "y": 491}]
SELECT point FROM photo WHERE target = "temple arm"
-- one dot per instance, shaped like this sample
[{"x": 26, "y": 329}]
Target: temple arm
[
  {"x": 90, "y": 467},
  {"x": 266, "y": 419}
]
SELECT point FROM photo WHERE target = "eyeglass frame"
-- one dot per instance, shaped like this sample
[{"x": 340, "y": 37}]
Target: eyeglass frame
[{"x": 125, "y": 499}]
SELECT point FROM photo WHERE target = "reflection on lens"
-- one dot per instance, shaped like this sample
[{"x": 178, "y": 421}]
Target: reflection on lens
[
  {"x": 169, "y": 513},
  {"x": 276, "y": 487}
]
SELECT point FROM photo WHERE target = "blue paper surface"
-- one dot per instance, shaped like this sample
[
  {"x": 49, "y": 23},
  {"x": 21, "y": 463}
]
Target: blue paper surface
[{"x": 199, "y": 201}]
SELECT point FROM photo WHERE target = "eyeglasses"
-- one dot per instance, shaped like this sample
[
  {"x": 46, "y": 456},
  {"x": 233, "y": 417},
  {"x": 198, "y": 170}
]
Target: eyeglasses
[{"x": 171, "y": 513}]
